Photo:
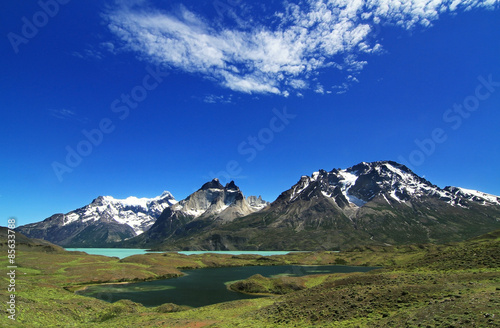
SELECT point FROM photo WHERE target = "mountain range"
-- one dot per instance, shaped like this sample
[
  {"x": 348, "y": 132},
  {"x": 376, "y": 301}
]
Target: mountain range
[
  {"x": 368, "y": 204},
  {"x": 107, "y": 220},
  {"x": 103, "y": 221}
]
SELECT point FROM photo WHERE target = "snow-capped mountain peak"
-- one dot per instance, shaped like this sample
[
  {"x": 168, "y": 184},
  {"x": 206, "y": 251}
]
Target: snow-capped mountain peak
[
  {"x": 213, "y": 199},
  {"x": 355, "y": 186},
  {"x": 138, "y": 213},
  {"x": 211, "y": 206},
  {"x": 377, "y": 202},
  {"x": 134, "y": 202},
  {"x": 110, "y": 218},
  {"x": 257, "y": 203}
]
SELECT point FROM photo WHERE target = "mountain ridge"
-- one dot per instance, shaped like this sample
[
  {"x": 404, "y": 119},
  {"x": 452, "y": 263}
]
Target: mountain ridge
[
  {"x": 381, "y": 202},
  {"x": 211, "y": 205},
  {"x": 376, "y": 203},
  {"x": 104, "y": 220},
  {"x": 107, "y": 220}
]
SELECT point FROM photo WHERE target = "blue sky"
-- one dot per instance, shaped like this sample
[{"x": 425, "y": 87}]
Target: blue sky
[{"x": 132, "y": 97}]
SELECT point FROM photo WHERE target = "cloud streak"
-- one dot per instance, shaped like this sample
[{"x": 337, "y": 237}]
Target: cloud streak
[
  {"x": 310, "y": 37},
  {"x": 63, "y": 114},
  {"x": 66, "y": 114}
]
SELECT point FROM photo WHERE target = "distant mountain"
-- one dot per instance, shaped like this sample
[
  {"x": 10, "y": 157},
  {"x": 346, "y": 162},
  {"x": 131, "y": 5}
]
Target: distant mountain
[
  {"x": 103, "y": 221},
  {"x": 257, "y": 203},
  {"x": 24, "y": 243},
  {"x": 211, "y": 206},
  {"x": 370, "y": 203}
]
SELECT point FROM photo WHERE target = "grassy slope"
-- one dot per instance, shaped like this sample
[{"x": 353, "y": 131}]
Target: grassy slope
[{"x": 437, "y": 286}]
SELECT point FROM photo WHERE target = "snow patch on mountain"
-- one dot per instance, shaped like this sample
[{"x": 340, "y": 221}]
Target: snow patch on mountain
[
  {"x": 473, "y": 196},
  {"x": 484, "y": 197},
  {"x": 349, "y": 180},
  {"x": 144, "y": 203},
  {"x": 356, "y": 201},
  {"x": 302, "y": 185},
  {"x": 257, "y": 203},
  {"x": 385, "y": 178},
  {"x": 224, "y": 202},
  {"x": 138, "y": 213}
]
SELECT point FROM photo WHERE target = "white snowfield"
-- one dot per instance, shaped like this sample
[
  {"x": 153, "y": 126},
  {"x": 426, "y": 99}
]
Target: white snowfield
[
  {"x": 486, "y": 198},
  {"x": 138, "y": 213},
  {"x": 397, "y": 181}
]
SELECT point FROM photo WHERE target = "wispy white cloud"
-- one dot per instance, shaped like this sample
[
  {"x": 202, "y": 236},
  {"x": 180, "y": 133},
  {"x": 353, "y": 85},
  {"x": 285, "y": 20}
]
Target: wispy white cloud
[
  {"x": 88, "y": 54},
  {"x": 98, "y": 53},
  {"x": 62, "y": 113},
  {"x": 214, "y": 99},
  {"x": 66, "y": 114},
  {"x": 310, "y": 37},
  {"x": 108, "y": 47},
  {"x": 319, "y": 89}
]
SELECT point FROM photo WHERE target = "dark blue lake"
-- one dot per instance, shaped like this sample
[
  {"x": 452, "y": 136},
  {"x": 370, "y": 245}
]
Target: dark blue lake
[{"x": 203, "y": 287}]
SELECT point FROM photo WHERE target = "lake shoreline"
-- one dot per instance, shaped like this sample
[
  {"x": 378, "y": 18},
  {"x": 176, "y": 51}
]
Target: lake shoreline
[
  {"x": 197, "y": 288},
  {"x": 84, "y": 286},
  {"x": 217, "y": 260},
  {"x": 125, "y": 252}
]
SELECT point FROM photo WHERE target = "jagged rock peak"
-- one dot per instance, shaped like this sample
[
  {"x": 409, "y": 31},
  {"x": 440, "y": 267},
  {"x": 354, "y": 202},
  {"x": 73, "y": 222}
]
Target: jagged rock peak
[
  {"x": 257, "y": 202},
  {"x": 98, "y": 200},
  {"x": 388, "y": 180},
  {"x": 365, "y": 167},
  {"x": 232, "y": 186},
  {"x": 166, "y": 194},
  {"x": 214, "y": 184}
]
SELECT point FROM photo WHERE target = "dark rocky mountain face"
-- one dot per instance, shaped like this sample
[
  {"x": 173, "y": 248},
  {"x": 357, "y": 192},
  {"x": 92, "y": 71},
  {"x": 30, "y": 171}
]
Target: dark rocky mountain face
[
  {"x": 370, "y": 203},
  {"x": 211, "y": 206}
]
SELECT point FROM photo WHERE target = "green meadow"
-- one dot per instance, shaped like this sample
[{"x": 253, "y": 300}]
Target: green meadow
[{"x": 452, "y": 285}]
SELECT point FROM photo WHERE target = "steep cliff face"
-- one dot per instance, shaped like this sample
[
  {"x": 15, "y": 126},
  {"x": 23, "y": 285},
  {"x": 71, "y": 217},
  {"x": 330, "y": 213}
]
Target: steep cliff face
[
  {"x": 215, "y": 201},
  {"x": 211, "y": 206}
]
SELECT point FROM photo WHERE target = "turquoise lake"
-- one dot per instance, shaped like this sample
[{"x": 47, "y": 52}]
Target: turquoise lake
[
  {"x": 203, "y": 287},
  {"x": 124, "y": 252}
]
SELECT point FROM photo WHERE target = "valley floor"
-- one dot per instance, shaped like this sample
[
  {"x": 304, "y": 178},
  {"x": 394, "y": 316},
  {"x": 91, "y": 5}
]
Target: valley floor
[{"x": 454, "y": 285}]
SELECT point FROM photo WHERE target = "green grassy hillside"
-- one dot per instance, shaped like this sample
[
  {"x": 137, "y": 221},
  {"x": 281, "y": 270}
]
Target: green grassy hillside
[{"x": 454, "y": 285}]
